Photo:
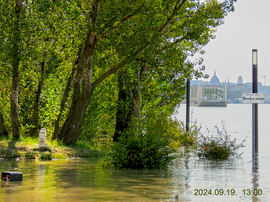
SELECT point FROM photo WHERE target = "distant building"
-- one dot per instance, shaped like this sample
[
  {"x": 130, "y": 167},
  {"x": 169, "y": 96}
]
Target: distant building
[
  {"x": 240, "y": 80},
  {"x": 233, "y": 91},
  {"x": 215, "y": 80},
  {"x": 210, "y": 95},
  {"x": 213, "y": 94}
]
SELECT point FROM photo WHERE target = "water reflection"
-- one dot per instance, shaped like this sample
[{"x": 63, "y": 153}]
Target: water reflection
[
  {"x": 86, "y": 180},
  {"x": 255, "y": 178},
  {"x": 83, "y": 180}
]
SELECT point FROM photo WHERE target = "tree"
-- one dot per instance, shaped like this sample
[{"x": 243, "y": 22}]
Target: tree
[
  {"x": 39, "y": 56},
  {"x": 131, "y": 26},
  {"x": 166, "y": 65},
  {"x": 81, "y": 98},
  {"x": 3, "y": 131},
  {"x": 53, "y": 45},
  {"x": 15, "y": 62}
]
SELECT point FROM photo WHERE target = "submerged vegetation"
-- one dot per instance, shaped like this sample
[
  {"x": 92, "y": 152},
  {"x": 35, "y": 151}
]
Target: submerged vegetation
[
  {"x": 219, "y": 147},
  {"x": 147, "y": 148},
  {"x": 151, "y": 147}
]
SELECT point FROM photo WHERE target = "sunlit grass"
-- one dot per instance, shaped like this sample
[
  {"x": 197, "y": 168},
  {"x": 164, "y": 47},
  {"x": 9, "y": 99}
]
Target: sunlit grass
[{"x": 28, "y": 148}]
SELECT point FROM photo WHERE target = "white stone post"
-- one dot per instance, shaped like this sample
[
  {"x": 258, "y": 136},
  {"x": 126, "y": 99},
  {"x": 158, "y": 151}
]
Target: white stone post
[{"x": 42, "y": 138}]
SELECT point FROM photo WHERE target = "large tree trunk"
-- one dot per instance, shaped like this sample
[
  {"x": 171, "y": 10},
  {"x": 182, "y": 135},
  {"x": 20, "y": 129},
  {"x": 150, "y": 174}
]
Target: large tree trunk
[
  {"x": 81, "y": 93},
  {"x": 126, "y": 114},
  {"x": 35, "y": 122},
  {"x": 81, "y": 98},
  {"x": 3, "y": 131},
  {"x": 14, "y": 102},
  {"x": 128, "y": 106},
  {"x": 15, "y": 73},
  {"x": 71, "y": 129},
  {"x": 123, "y": 114},
  {"x": 64, "y": 100}
]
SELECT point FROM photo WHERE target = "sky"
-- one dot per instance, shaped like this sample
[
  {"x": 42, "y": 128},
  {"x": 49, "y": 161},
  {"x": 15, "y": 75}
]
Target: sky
[{"x": 230, "y": 54}]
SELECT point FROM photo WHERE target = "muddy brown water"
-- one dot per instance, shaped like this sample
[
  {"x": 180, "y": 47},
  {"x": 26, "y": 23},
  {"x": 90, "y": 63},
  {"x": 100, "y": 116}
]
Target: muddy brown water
[
  {"x": 188, "y": 179},
  {"x": 85, "y": 180}
]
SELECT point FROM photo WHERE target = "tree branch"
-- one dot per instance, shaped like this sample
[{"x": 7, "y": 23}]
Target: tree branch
[
  {"x": 170, "y": 19},
  {"x": 177, "y": 4},
  {"x": 118, "y": 66},
  {"x": 144, "y": 61},
  {"x": 109, "y": 72},
  {"x": 175, "y": 42},
  {"x": 89, "y": 48},
  {"x": 93, "y": 16},
  {"x": 124, "y": 62},
  {"x": 125, "y": 19}
]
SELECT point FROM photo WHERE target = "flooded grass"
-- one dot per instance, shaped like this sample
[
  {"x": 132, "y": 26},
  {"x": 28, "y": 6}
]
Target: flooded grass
[{"x": 28, "y": 148}]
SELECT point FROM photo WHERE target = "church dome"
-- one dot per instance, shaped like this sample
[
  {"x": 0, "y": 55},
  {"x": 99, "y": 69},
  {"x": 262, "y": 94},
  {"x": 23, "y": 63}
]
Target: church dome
[
  {"x": 240, "y": 79},
  {"x": 215, "y": 80}
]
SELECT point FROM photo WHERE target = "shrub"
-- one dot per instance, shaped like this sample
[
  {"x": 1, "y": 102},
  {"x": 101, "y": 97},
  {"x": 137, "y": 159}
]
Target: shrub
[
  {"x": 183, "y": 137},
  {"x": 188, "y": 138},
  {"x": 146, "y": 148},
  {"x": 141, "y": 152},
  {"x": 45, "y": 156},
  {"x": 218, "y": 147}
]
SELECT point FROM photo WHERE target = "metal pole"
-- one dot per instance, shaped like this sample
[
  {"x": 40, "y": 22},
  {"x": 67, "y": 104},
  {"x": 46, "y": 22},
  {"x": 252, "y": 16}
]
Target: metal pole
[
  {"x": 254, "y": 105},
  {"x": 187, "y": 104}
]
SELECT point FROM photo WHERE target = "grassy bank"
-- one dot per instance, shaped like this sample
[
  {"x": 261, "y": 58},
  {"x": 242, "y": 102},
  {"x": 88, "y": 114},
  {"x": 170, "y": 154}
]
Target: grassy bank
[{"x": 28, "y": 148}]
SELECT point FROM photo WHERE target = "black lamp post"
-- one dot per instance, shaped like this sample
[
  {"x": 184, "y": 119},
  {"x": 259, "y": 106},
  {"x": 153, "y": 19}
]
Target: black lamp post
[
  {"x": 254, "y": 105},
  {"x": 187, "y": 104}
]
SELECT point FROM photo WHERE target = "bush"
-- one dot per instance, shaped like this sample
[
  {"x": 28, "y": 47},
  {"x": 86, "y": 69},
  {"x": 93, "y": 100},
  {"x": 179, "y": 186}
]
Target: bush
[
  {"x": 219, "y": 147},
  {"x": 45, "y": 156},
  {"x": 146, "y": 148},
  {"x": 141, "y": 152},
  {"x": 183, "y": 137},
  {"x": 189, "y": 138}
]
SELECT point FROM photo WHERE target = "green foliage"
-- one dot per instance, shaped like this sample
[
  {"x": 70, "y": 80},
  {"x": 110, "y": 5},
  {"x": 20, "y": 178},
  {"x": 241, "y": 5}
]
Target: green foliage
[
  {"x": 29, "y": 141},
  {"x": 59, "y": 156},
  {"x": 28, "y": 155},
  {"x": 100, "y": 117},
  {"x": 218, "y": 147},
  {"x": 144, "y": 149},
  {"x": 27, "y": 148},
  {"x": 43, "y": 36},
  {"x": 146, "y": 152},
  {"x": 183, "y": 137},
  {"x": 45, "y": 156},
  {"x": 53, "y": 31},
  {"x": 187, "y": 139}
]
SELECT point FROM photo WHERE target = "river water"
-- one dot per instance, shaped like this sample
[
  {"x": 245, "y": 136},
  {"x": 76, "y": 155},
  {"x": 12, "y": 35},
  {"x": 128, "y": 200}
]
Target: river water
[{"x": 187, "y": 180}]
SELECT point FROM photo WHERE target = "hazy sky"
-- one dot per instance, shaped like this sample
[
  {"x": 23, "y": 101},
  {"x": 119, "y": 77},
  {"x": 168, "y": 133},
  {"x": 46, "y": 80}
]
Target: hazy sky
[{"x": 230, "y": 54}]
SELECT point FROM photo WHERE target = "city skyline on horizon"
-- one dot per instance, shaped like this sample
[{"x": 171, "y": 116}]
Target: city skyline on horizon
[
  {"x": 230, "y": 53},
  {"x": 227, "y": 80}
]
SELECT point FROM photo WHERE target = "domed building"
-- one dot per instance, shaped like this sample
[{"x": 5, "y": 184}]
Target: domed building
[
  {"x": 214, "y": 80},
  {"x": 240, "y": 80},
  {"x": 212, "y": 95}
]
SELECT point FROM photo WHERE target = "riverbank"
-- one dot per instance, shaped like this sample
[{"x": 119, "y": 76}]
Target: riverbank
[{"x": 29, "y": 149}]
